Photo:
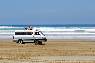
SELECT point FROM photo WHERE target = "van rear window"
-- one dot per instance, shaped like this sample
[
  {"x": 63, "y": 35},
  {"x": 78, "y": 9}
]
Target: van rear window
[{"x": 23, "y": 33}]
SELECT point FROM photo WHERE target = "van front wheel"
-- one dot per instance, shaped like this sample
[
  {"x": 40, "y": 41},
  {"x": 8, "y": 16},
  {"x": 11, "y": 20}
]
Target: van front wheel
[
  {"x": 40, "y": 42},
  {"x": 36, "y": 42}
]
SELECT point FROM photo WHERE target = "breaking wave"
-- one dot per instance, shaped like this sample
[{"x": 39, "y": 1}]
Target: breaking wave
[{"x": 55, "y": 32}]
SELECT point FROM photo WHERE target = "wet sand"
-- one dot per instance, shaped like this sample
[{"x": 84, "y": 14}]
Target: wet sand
[{"x": 11, "y": 52}]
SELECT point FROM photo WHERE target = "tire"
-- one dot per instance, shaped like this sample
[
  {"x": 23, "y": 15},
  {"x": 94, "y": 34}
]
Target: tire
[
  {"x": 36, "y": 42},
  {"x": 20, "y": 41},
  {"x": 40, "y": 42}
]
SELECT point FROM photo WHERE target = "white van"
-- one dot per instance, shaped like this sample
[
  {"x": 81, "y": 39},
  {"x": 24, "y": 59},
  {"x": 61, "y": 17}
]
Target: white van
[{"x": 21, "y": 36}]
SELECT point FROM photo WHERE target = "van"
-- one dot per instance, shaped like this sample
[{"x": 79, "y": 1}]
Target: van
[{"x": 22, "y": 36}]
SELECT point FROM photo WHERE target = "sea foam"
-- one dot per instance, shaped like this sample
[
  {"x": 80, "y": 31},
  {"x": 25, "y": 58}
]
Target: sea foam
[{"x": 55, "y": 32}]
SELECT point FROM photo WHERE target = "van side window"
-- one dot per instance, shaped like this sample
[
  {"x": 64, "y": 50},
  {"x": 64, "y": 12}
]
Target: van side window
[
  {"x": 29, "y": 33},
  {"x": 37, "y": 33},
  {"x": 20, "y": 33},
  {"x": 23, "y": 33}
]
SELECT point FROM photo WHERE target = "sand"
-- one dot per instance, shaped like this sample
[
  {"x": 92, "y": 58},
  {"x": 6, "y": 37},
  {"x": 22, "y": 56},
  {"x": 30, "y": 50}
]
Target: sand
[{"x": 53, "y": 51}]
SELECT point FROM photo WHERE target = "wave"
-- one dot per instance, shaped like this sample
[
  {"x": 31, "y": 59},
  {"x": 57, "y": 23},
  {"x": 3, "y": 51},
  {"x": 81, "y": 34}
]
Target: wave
[
  {"x": 51, "y": 29},
  {"x": 54, "y": 32},
  {"x": 9, "y": 27},
  {"x": 47, "y": 28}
]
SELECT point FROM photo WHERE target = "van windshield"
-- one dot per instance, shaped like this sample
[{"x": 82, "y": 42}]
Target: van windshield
[{"x": 42, "y": 33}]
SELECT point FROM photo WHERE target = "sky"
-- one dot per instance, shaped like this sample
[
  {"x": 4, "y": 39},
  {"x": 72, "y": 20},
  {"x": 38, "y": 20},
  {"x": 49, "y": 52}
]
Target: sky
[{"x": 47, "y": 12}]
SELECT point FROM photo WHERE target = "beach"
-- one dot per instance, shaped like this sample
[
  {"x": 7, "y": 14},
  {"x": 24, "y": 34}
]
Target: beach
[
  {"x": 64, "y": 45},
  {"x": 53, "y": 51},
  {"x": 68, "y": 26}
]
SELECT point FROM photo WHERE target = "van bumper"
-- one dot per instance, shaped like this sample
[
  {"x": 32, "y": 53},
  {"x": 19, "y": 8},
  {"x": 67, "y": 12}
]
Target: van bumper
[{"x": 43, "y": 40}]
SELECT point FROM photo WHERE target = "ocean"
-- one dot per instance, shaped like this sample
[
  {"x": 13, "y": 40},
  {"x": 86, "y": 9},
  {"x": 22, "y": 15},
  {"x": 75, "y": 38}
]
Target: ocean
[{"x": 69, "y": 31}]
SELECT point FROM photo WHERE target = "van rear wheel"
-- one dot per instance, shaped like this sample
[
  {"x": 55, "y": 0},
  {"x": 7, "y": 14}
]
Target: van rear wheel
[{"x": 20, "y": 41}]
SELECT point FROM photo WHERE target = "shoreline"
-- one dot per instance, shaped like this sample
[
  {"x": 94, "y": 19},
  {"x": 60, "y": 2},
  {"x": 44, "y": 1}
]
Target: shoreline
[{"x": 56, "y": 40}]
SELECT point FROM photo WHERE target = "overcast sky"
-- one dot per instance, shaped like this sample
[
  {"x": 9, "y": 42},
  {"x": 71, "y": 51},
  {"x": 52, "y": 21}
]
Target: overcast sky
[{"x": 47, "y": 11}]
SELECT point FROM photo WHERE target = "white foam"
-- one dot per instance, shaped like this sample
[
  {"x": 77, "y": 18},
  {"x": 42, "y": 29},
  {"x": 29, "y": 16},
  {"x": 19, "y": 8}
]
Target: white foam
[
  {"x": 59, "y": 32},
  {"x": 10, "y": 27}
]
